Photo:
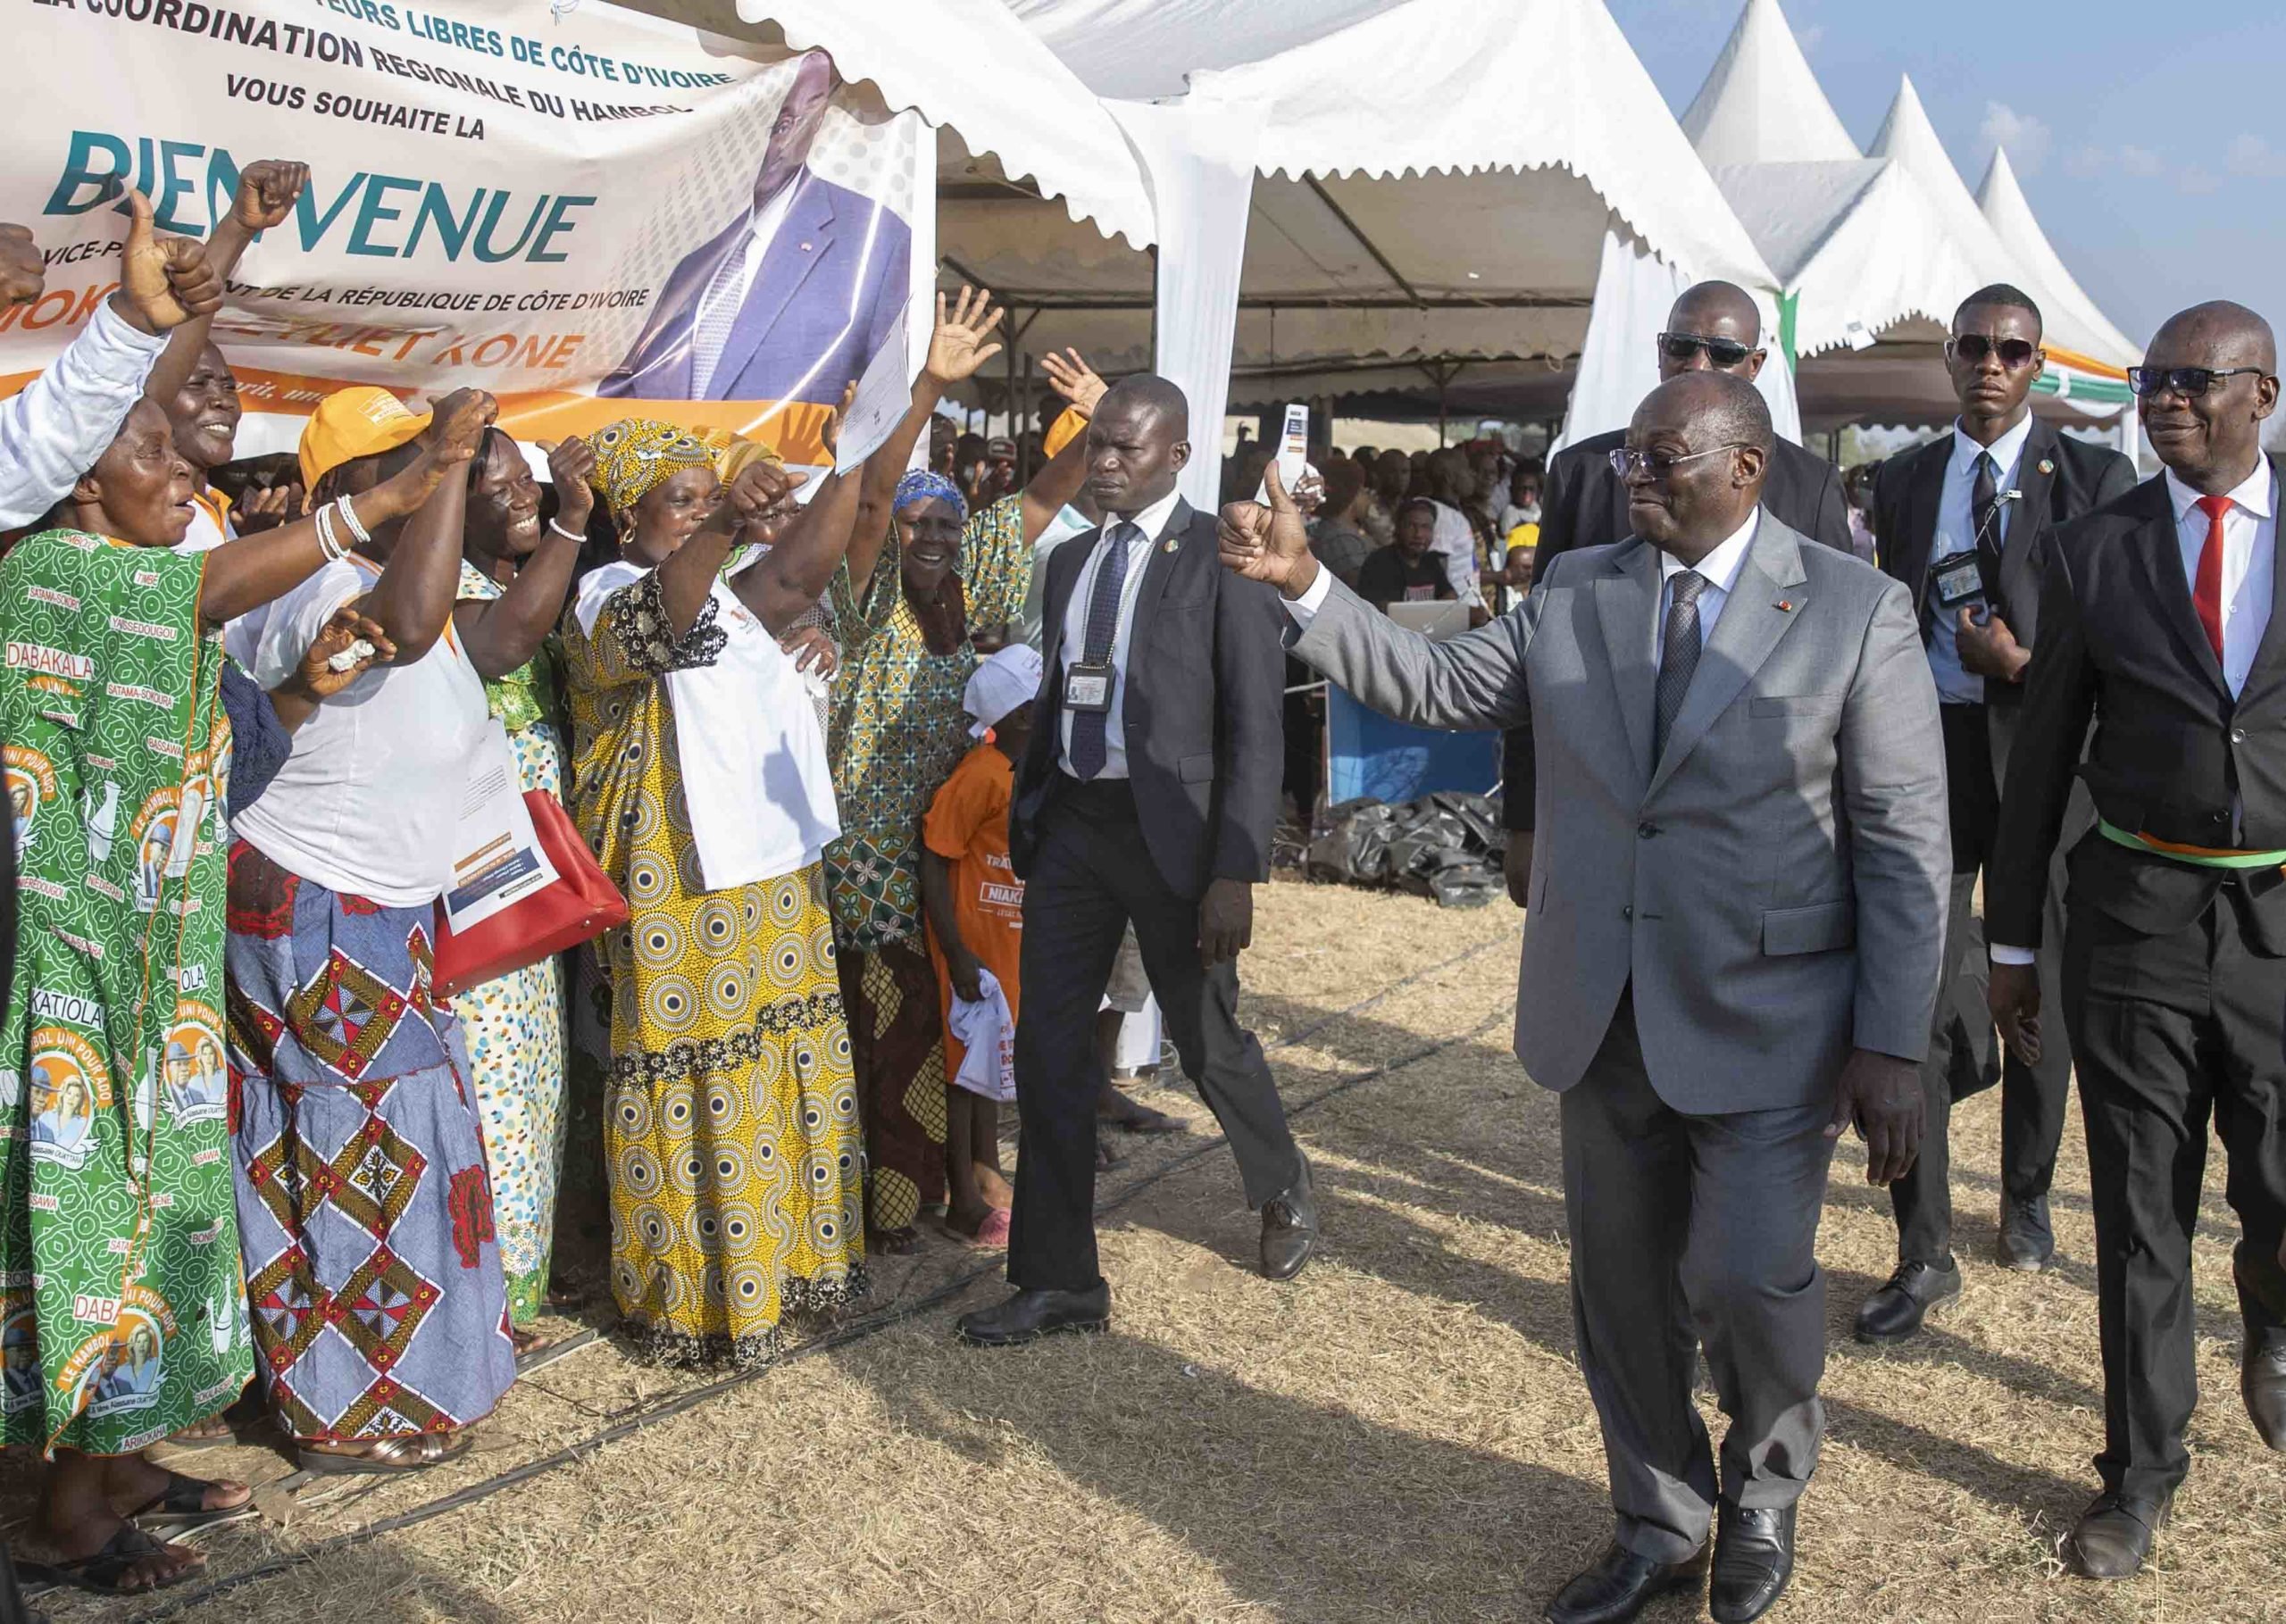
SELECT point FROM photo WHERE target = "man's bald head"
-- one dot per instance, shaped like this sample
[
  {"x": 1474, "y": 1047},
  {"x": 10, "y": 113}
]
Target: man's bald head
[
  {"x": 2212, "y": 439},
  {"x": 1723, "y": 320},
  {"x": 2221, "y": 333},
  {"x": 1150, "y": 393},
  {"x": 1704, "y": 441},
  {"x": 1137, "y": 442}
]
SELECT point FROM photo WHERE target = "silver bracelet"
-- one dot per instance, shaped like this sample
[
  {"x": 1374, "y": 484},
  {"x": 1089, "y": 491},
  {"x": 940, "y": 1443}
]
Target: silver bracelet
[
  {"x": 328, "y": 541},
  {"x": 349, "y": 518},
  {"x": 567, "y": 534}
]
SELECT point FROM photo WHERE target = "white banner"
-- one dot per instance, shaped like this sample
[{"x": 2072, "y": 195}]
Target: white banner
[{"x": 603, "y": 205}]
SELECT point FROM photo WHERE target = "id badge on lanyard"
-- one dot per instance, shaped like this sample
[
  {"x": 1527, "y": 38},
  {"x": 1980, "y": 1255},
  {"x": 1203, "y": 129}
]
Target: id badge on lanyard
[
  {"x": 1958, "y": 579},
  {"x": 1087, "y": 688}
]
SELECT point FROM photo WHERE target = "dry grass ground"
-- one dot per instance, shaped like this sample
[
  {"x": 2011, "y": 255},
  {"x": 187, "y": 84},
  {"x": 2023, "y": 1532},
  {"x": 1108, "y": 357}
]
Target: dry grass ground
[{"x": 1398, "y": 1434}]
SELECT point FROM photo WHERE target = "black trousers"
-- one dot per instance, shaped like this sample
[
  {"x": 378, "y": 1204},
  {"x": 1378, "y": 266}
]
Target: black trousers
[
  {"x": 2169, "y": 1030},
  {"x": 1089, "y": 877},
  {"x": 2034, "y": 1100},
  {"x": 1691, "y": 1232}
]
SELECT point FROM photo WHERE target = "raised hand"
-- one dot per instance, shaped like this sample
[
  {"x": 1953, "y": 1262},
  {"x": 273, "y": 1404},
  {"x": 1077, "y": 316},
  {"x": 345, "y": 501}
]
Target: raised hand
[
  {"x": 1267, "y": 544},
  {"x": 760, "y": 486},
  {"x": 266, "y": 193},
  {"x": 23, "y": 273},
  {"x": 958, "y": 349},
  {"x": 267, "y": 507},
  {"x": 163, "y": 281},
  {"x": 348, "y": 645},
  {"x": 569, "y": 462},
  {"x": 456, "y": 427},
  {"x": 1070, "y": 375},
  {"x": 831, "y": 432}
]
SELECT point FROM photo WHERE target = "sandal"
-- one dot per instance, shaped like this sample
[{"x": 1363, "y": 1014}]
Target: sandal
[
  {"x": 101, "y": 1572},
  {"x": 388, "y": 1458},
  {"x": 181, "y": 1506}
]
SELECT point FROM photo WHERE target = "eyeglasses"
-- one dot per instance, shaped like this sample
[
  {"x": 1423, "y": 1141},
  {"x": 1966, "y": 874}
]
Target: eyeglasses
[
  {"x": 1627, "y": 463},
  {"x": 1724, "y": 353},
  {"x": 1974, "y": 347},
  {"x": 2190, "y": 382}
]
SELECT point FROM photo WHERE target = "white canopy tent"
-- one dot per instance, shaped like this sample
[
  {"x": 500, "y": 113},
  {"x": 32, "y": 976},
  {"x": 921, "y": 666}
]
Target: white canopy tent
[
  {"x": 1350, "y": 186},
  {"x": 2066, "y": 306}
]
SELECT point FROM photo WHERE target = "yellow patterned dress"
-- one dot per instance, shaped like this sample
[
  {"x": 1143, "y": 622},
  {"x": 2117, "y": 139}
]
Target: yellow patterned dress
[{"x": 730, "y": 1128}]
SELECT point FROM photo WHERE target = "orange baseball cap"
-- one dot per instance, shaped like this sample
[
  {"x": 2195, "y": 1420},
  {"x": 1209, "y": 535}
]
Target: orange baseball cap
[{"x": 348, "y": 424}]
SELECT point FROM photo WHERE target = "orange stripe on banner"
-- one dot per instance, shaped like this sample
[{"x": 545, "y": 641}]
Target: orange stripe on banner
[
  {"x": 2083, "y": 363},
  {"x": 794, "y": 429}
]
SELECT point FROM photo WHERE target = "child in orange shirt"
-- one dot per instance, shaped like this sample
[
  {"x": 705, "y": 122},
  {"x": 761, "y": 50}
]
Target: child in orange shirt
[{"x": 975, "y": 906}]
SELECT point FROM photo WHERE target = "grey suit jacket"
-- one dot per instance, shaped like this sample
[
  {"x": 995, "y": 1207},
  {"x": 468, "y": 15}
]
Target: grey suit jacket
[{"x": 1774, "y": 887}]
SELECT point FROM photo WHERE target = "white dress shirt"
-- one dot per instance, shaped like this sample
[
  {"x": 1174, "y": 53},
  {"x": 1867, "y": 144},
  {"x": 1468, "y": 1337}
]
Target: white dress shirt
[
  {"x": 2250, "y": 562},
  {"x": 1956, "y": 533},
  {"x": 1720, "y": 571},
  {"x": 54, "y": 428},
  {"x": 733, "y": 280},
  {"x": 1151, "y": 524}
]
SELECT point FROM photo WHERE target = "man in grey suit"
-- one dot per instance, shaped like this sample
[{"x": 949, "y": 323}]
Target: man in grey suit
[{"x": 1741, "y": 801}]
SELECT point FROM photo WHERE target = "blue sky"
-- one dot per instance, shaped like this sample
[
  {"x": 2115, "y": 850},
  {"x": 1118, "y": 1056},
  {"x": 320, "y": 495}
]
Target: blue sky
[{"x": 2147, "y": 136}]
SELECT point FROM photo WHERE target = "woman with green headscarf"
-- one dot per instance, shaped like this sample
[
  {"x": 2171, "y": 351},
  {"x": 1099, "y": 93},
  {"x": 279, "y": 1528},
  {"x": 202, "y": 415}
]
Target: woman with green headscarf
[{"x": 730, "y": 1134}]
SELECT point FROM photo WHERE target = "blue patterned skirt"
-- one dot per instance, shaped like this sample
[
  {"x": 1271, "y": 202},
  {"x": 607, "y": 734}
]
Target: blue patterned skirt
[{"x": 365, "y": 1208}]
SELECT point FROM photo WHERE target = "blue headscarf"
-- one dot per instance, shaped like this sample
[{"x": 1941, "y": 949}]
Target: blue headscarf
[{"x": 920, "y": 486}]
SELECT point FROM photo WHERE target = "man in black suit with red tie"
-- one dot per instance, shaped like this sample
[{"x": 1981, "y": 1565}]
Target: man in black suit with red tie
[
  {"x": 1964, "y": 522},
  {"x": 1148, "y": 794},
  {"x": 2161, "y": 618},
  {"x": 1713, "y": 327}
]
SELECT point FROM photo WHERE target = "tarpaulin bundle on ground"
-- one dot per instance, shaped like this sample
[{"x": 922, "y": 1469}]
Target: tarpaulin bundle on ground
[{"x": 1447, "y": 846}]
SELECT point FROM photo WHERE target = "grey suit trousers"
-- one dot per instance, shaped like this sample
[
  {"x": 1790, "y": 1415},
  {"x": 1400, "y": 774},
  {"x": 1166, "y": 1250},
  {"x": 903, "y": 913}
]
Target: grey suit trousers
[{"x": 1691, "y": 1231}]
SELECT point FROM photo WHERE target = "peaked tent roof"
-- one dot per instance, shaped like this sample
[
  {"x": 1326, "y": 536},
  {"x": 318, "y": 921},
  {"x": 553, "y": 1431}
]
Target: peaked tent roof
[
  {"x": 1761, "y": 102},
  {"x": 2005, "y": 206},
  {"x": 1407, "y": 203}
]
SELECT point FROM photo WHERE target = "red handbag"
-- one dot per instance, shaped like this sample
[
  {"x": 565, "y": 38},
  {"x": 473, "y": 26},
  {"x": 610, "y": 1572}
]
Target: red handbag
[{"x": 580, "y": 906}]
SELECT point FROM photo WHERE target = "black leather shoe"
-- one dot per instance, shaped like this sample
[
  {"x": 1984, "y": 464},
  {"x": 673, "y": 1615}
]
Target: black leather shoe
[
  {"x": 2027, "y": 1242},
  {"x": 2114, "y": 1534},
  {"x": 1895, "y": 1312},
  {"x": 1030, "y": 1315},
  {"x": 1754, "y": 1557},
  {"x": 1290, "y": 1229},
  {"x": 2262, "y": 1378},
  {"x": 1620, "y": 1585}
]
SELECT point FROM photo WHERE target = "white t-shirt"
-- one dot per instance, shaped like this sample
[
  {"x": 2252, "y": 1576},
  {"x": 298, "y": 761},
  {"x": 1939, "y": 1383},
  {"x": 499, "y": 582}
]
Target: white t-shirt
[{"x": 367, "y": 802}]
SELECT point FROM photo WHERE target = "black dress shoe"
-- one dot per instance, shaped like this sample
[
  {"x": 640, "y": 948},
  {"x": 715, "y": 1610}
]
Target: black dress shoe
[
  {"x": 1754, "y": 1557},
  {"x": 1290, "y": 1229},
  {"x": 1619, "y": 1584},
  {"x": 1894, "y": 1313},
  {"x": 2262, "y": 1378},
  {"x": 1030, "y": 1315},
  {"x": 2114, "y": 1536},
  {"x": 2027, "y": 1242}
]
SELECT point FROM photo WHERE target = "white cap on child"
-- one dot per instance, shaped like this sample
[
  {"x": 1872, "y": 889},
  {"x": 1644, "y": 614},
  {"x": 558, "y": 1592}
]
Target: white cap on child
[{"x": 1005, "y": 680}]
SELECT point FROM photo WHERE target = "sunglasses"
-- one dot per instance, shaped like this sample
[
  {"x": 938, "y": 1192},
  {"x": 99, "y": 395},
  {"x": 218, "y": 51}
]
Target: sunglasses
[
  {"x": 1627, "y": 463},
  {"x": 1724, "y": 353},
  {"x": 1974, "y": 347},
  {"x": 2190, "y": 382}
]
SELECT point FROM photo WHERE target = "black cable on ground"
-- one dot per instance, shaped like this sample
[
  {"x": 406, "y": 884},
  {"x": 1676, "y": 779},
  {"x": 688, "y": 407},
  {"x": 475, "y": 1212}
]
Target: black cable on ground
[{"x": 841, "y": 1336}]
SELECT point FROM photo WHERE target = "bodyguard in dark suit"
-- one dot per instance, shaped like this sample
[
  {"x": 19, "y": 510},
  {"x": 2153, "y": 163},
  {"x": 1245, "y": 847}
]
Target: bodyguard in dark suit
[
  {"x": 2161, "y": 617},
  {"x": 1736, "y": 917},
  {"x": 1148, "y": 794},
  {"x": 1965, "y": 522},
  {"x": 1713, "y": 327}
]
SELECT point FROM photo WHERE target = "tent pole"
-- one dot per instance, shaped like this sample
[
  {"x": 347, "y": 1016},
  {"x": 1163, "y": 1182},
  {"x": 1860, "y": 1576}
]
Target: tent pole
[
  {"x": 1022, "y": 437},
  {"x": 1441, "y": 407}
]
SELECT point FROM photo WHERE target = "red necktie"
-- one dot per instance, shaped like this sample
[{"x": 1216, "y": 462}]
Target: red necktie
[{"x": 2206, "y": 592}]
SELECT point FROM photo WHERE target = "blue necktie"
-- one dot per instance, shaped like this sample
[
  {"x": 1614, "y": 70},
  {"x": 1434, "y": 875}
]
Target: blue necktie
[{"x": 1088, "y": 751}]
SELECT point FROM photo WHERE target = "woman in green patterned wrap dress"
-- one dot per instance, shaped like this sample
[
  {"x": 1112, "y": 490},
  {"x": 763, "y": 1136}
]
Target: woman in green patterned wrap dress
[
  {"x": 516, "y": 568},
  {"x": 123, "y": 1316},
  {"x": 912, "y": 610}
]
